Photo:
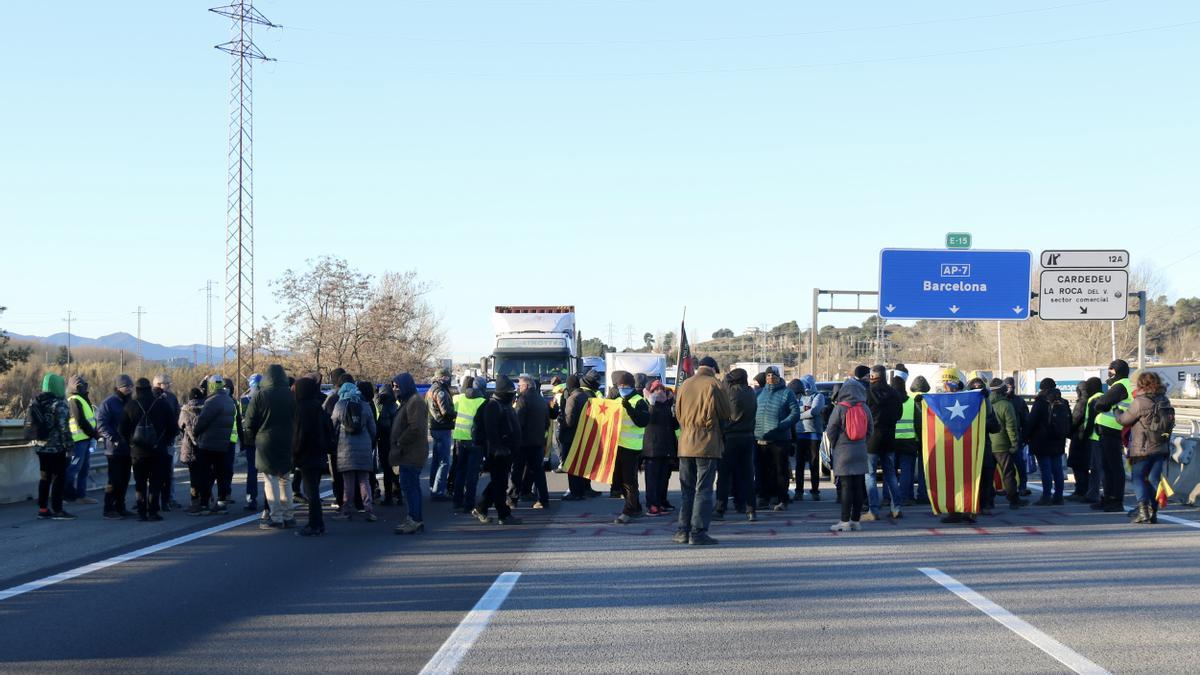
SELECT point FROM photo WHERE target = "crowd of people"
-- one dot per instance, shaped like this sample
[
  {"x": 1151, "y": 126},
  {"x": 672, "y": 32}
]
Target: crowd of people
[{"x": 731, "y": 438}]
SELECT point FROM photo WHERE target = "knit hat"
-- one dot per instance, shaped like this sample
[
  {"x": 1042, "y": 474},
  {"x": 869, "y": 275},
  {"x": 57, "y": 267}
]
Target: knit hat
[
  {"x": 861, "y": 371},
  {"x": 1047, "y": 384},
  {"x": 710, "y": 362},
  {"x": 52, "y": 383},
  {"x": 122, "y": 380},
  {"x": 624, "y": 379},
  {"x": 736, "y": 376}
]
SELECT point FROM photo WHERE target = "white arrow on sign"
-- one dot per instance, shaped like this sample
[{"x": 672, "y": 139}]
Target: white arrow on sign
[
  {"x": 1017, "y": 309},
  {"x": 890, "y": 308},
  {"x": 954, "y": 309}
]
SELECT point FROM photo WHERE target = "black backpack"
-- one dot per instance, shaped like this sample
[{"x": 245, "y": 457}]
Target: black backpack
[
  {"x": 144, "y": 434},
  {"x": 478, "y": 435},
  {"x": 1060, "y": 421},
  {"x": 352, "y": 421},
  {"x": 1161, "y": 421},
  {"x": 38, "y": 422}
]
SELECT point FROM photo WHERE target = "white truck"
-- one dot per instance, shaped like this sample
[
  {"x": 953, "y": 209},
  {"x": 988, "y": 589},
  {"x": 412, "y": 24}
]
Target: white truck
[
  {"x": 651, "y": 365},
  {"x": 536, "y": 340},
  {"x": 753, "y": 368}
]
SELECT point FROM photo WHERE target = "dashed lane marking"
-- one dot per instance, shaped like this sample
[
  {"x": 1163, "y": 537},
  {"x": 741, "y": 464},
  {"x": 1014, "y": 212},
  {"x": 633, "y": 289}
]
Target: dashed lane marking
[
  {"x": 1062, "y": 653},
  {"x": 456, "y": 646}
]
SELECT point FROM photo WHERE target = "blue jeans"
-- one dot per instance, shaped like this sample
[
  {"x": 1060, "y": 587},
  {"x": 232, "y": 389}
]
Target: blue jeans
[
  {"x": 466, "y": 478},
  {"x": 77, "y": 471},
  {"x": 1052, "y": 476},
  {"x": 410, "y": 485},
  {"x": 439, "y": 467},
  {"x": 696, "y": 476},
  {"x": 1145, "y": 475},
  {"x": 888, "y": 461},
  {"x": 906, "y": 463}
]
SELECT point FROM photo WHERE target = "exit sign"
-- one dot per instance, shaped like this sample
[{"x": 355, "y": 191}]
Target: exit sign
[{"x": 958, "y": 240}]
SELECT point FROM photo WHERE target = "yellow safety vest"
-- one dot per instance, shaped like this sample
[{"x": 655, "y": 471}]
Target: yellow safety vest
[
  {"x": 1095, "y": 432},
  {"x": 466, "y": 409},
  {"x": 906, "y": 427},
  {"x": 1109, "y": 419},
  {"x": 632, "y": 435},
  {"x": 237, "y": 412},
  {"x": 77, "y": 433}
]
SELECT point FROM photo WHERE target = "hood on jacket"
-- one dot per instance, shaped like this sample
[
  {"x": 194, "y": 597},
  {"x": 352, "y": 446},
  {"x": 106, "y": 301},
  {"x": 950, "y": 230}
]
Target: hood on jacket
[
  {"x": 852, "y": 391},
  {"x": 405, "y": 386},
  {"x": 737, "y": 376},
  {"x": 366, "y": 390},
  {"x": 307, "y": 389},
  {"x": 810, "y": 383},
  {"x": 761, "y": 380},
  {"x": 385, "y": 398},
  {"x": 898, "y": 386},
  {"x": 919, "y": 385},
  {"x": 1093, "y": 386},
  {"x": 77, "y": 385},
  {"x": 572, "y": 383},
  {"x": 1121, "y": 369},
  {"x": 590, "y": 379},
  {"x": 52, "y": 383},
  {"x": 253, "y": 383},
  {"x": 640, "y": 380},
  {"x": 275, "y": 378},
  {"x": 142, "y": 387},
  {"x": 797, "y": 387},
  {"x": 349, "y": 392},
  {"x": 215, "y": 384},
  {"x": 471, "y": 392}
]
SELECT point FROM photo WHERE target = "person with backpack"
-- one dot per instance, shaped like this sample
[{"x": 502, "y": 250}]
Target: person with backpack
[
  {"x": 47, "y": 428},
  {"x": 441, "y": 428},
  {"x": 886, "y": 410},
  {"x": 1048, "y": 426},
  {"x": 313, "y": 439},
  {"x": 1150, "y": 419},
  {"x": 409, "y": 445},
  {"x": 149, "y": 428},
  {"x": 83, "y": 440},
  {"x": 270, "y": 422},
  {"x": 850, "y": 425},
  {"x": 187, "y": 441},
  {"x": 212, "y": 429},
  {"x": 116, "y": 450},
  {"x": 355, "y": 428},
  {"x": 500, "y": 434}
]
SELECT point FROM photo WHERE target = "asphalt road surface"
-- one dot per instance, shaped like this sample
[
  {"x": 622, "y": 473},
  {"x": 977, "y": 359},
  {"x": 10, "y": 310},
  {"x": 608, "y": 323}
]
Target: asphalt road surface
[{"x": 1056, "y": 589}]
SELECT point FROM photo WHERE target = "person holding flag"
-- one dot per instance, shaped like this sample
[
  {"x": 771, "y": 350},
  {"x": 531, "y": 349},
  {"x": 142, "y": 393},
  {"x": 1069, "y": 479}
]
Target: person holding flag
[{"x": 954, "y": 444}]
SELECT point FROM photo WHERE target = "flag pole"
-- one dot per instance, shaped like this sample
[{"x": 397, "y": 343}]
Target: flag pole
[{"x": 679, "y": 343}]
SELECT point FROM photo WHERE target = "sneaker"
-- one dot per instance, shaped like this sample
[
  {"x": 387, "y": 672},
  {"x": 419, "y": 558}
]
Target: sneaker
[
  {"x": 156, "y": 517},
  {"x": 221, "y": 510},
  {"x": 270, "y": 526},
  {"x": 666, "y": 507},
  {"x": 701, "y": 539},
  {"x": 1044, "y": 501},
  {"x": 511, "y": 520},
  {"x": 86, "y": 500},
  {"x": 62, "y": 515},
  {"x": 539, "y": 505},
  {"x": 897, "y": 514},
  {"x": 781, "y": 506},
  {"x": 307, "y": 531},
  {"x": 869, "y": 516},
  {"x": 371, "y": 517},
  {"x": 855, "y": 526},
  {"x": 198, "y": 510},
  {"x": 112, "y": 515},
  {"x": 752, "y": 517},
  {"x": 840, "y": 526},
  {"x": 44, "y": 514},
  {"x": 681, "y": 537},
  {"x": 653, "y": 511},
  {"x": 265, "y": 515},
  {"x": 344, "y": 514},
  {"x": 480, "y": 517},
  {"x": 409, "y": 526},
  {"x": 622, "y": 520}
]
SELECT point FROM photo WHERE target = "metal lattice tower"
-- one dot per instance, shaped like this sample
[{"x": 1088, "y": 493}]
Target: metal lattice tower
[{"x": 239, "y": 234}]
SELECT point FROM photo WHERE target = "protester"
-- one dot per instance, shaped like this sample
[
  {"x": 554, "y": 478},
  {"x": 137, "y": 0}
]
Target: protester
[
  {"x": 1048, "y": 425},
  {"x": 270, "y": 422},
  {"x": 1005, "y": 442},
  {"x": 83, "y": 438},
  {"x": 1150, "y": 419},
  {"x": 116, "y": 450},
  {"x": 850, "y": 425},
  {"x": 1091, "y": 432},
  {"x": 501, "y": 435},
  {"x": 1021, "y": 456},
  {"x": 338, "y": 377},
  {"x": 918, "y": 388},
  {"x": 441, "y": 427},
  {"x": 408, "y": 449},
  {"x": 161, "y": 386},
  {"x": 735, "y": 472},
  {"x": 212, "y": 430},
  {"x": 533, "y": 416},
  {"x": 572, "y": 415},
  {"x": 659, "y": 447},
  {"x": 188, "y": 448},
  {"x": 634, "y": 418},
  {"x": 355, "y": 428},
  {"x": 386, "y": 409},
  {"x": 703, "y": 409},
  {"x": 367, "y": 391},
  {"x": 1118, "y": 399},
  {"x": 47, "y": 427},
  {"x": 809, "y": 430},
  {"x": 468, "y": 454},
  {"x": 312, "y": 439},
  {"x": 776, "y": 414},
  {"x": 906, "y": 444},
  {"x": 149, "y": 427},
  {"x": 886, "y": 410}
]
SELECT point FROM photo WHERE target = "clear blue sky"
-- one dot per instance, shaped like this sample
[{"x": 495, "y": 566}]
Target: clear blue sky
[{"x": 724, "y": 156}]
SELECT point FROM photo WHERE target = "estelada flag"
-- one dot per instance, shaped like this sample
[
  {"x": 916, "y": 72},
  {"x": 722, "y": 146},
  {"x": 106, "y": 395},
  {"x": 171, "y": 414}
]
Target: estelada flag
[
  {"x": 687, "y": 365},
  {"x": 1164, "y": 492},
  {"x": 952, "y": 445},
  {"x": 593, "y": 451}
]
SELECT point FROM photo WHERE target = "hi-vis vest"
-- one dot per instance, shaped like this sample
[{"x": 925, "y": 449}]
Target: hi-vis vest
[
  {"x": 631, "y": 434},
  {"x": 88, "y": 414},
  {"x": 1095, "y": 432},
  {"x": 906, "y": 427},
  {"x": 237, "y": 412},
  {"x": 465, "y": 408},
  {"x": 1109, "y": 419}
]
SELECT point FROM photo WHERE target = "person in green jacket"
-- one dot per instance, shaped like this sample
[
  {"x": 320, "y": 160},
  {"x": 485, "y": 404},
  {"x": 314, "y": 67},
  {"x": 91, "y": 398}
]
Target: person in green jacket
[{"x": 1005, "y": 442}]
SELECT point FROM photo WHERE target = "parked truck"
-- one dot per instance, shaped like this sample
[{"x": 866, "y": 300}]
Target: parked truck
[{"x": 536, "y": 340}]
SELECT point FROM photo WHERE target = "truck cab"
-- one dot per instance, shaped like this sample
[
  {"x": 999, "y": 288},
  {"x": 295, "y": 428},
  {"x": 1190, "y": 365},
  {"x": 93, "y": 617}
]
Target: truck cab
[{"x": 540, "y": 341}]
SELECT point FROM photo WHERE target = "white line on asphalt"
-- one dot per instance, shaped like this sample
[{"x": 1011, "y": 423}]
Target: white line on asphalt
[
  {"x": 1064, "y": 654},
  {"x": 126, "y": 557},
  {"x": 446, "y": 660},
  {"x": 1181, "y": 521}
]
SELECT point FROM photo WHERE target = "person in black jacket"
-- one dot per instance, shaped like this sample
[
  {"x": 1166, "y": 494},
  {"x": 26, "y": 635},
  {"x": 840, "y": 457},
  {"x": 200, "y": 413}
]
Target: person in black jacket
[
  {"x": 385, "y": 404},
  {"x": 1046, "y": 441},
  {"x": 528, "y": 470},
  {"x": 568, "y": 423},
  {"x": 1079, "y": 456},
  {"x": 659, "y": 446},
  {"x": 312, "y": 443},
  {"x": 503, "y": 435},
  {"x": 885, "y": 407},
  {"x": 1111, "y": 444},
  {"x": 635, "y": 415},
  {"x": 148, "y": 441},
  {"x": 736, "y": 470},
  {"x": 337, "y": 378}
]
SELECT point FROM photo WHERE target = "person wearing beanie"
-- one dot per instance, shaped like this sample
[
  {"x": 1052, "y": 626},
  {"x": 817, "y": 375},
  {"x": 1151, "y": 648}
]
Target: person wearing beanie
[
  {"x": 213, "y": 428},
  {"x": 886, "y": 410},
  {"x": 918, "y": 389},
  {"x": 312, "y": 438},
  {"x": 502, "y": 434},
  {"x": 386, "y": 409},
  {"x": 710, "y": 362},
  {"x": 862, "y": 374},
  {"x": 735, "y": 473},
  {"x": 1049, "y": 425},
  {"x": 161, "y": 386},
  {"x": 1022, "y": 456},
  {"x": 149, "y": 425},
  {"x": 528, "y": 470},
  {"x": 1005, "y": 441},
  {"x": 1118, "y": 399},
  {"x": 188, "y": 449},
  {"x": 83, "y": 440},
  {"x": 467, "y": 454},
  {"x": 116, "y": 449},
  {"x": 441, "y": 428},
  {"x": 47, "y": 426},
  {"x": 703, "y": 409},
  {"x": 775, "y": 418},
  {"x": 409, "y": 446},
  {"x": 634, "y": 418},
  {"x": 271, "y": 422},
  {"x": 1085, "y": 444}
]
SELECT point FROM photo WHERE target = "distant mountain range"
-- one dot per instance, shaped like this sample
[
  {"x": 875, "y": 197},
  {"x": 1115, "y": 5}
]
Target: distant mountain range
[{"x": 128, "y": 343}]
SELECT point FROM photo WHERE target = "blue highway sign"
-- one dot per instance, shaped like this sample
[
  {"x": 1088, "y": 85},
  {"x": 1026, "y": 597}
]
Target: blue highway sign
[{"x": 954, "y": 285}]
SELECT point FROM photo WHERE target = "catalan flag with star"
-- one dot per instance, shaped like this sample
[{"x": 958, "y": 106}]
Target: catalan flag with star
[
  {"x": 593, "y": 451},
  {"x": 953, "y": 442}
]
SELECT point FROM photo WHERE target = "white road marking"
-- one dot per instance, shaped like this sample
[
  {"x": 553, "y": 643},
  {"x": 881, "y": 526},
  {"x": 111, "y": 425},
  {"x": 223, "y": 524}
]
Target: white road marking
[
  {"x": 1178, "y": 520},
  {"x": 126, "y": 557},
  {"x": 446, "y": 660},
  {"x": 1062, "y": 653}
]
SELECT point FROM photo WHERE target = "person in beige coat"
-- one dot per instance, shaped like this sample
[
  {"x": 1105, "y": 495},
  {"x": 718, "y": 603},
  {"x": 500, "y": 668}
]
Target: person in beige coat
[{"x": 703, "y": 408}]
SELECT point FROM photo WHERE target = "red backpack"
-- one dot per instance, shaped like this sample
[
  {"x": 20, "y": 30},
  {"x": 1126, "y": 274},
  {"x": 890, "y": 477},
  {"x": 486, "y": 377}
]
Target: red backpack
[{"x": 854, "y": 420}]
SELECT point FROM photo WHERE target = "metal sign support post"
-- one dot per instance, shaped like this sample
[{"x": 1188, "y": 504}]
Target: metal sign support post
[
  {"x": 1141, "y": 357},
  {"x": 817, "y": 309}
]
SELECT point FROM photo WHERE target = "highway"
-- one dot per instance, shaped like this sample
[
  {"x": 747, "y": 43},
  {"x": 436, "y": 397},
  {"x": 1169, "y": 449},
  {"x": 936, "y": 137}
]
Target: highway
[{"x": 1056, "y": 589}]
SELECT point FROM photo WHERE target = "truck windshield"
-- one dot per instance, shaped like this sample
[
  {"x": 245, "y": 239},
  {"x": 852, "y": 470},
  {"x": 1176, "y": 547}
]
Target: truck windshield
[{"x": 540, "y": 367}]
